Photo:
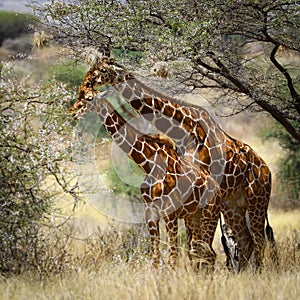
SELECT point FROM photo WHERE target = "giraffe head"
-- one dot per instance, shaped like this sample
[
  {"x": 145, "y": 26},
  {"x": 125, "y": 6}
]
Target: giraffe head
[
  {"x": 88, "y": 102},
  {"x": 108, "y": 71},
  {"x": 84, "y": 104},
  {"x": 104, "y": 71},
  {"x": 78, "y": 108}
]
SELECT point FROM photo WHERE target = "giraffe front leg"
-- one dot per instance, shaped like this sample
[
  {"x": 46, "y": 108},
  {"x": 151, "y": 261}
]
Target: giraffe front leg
[
  {"x": 209, "y": 222},
  {"x": 210, "y": 215},
  {"x": 201, "y": 227},
  {"x": 193, "y": 231},
  {"x": 152, "y": 221},
  {"x": 171, "y": 222}
]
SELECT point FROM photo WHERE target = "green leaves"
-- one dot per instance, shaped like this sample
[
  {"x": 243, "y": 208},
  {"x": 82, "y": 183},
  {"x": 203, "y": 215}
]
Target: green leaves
[{"x": 35, "y": 144}]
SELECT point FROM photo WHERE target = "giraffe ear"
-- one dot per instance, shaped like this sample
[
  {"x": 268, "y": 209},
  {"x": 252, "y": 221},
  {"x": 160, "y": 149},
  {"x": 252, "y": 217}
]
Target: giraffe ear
[{"x": 105, "y": 59}]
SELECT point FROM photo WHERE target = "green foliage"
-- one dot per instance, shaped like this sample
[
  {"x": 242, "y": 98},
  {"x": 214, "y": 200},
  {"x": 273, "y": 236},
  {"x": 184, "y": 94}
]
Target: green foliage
[
  {"x": 289, "y": 165},
  {"x": 117, "y": 183},
  {"x": 134, "y": 56},
  {"x": 223, "y": 44},
  {"x": 14, "y": 25},
  {"x": 68, "y": 72},
  {"x": 35, "y": 146}
]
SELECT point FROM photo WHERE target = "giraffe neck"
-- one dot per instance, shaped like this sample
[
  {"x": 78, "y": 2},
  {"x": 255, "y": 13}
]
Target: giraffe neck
[
  {"x": 198, "y": 137},
  {"x": 142, "y": 150},
  {"x": 168, "y": 114}
]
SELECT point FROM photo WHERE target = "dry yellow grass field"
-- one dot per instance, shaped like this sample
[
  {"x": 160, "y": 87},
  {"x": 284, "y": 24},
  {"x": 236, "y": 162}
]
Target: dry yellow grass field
[{"x": 99, "y": 274}]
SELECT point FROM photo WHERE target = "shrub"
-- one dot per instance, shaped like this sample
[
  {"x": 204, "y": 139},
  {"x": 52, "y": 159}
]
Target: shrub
[
  {"x": 68, "y": 72},
  {"x": 13, "y": 25},
  {"x": 35, "y": 146},
  {"x": 289, "y": 167},
  {"x": 22, "y": 44}
]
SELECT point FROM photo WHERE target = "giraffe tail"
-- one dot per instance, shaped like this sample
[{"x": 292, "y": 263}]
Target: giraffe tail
[
  {"x": 230, "y": 248},
  {"x": 270, "y": 233},
  {"x": 271, "y": 240}
]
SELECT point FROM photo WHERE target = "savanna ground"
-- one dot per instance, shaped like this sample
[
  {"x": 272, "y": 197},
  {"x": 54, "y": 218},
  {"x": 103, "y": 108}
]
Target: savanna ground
[
  {"x": 94, "y": 257},
  {"x": 114, "y": 264}
]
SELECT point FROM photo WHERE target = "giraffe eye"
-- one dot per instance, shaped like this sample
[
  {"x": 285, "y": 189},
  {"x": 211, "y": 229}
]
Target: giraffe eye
[
  {"x": 89, "y": 98},
  {"x": 88, "y": 84},
  {"x": 104, "y": 70}
]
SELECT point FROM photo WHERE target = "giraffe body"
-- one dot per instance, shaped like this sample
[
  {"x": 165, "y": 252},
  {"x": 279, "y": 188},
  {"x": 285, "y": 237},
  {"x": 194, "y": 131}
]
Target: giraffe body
[
  {"x": 243, "y": 177},
  {"x": 173, "y": 187}
]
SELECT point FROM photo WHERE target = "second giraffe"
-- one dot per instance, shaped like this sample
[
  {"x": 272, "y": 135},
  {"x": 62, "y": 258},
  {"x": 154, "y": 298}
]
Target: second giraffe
[{"x": 172, "y": 188}]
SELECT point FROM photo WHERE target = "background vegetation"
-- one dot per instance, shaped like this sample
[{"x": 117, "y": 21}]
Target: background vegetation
[
  {"x": 288, "y": 167},
  {"x": 13, "y": 25},
  {"x": 215, "y": 38},
  {"x": 245, "y": 53},
  {"x": 15, "y": 30},
  {"x": 35, "y": 146}
]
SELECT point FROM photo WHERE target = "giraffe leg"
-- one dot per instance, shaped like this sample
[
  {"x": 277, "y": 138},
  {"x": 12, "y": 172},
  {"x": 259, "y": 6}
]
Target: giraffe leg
[
  {"x": 171, "y": 222},
  {"x": 257, "y": 196},
  {"x": 209, "y": 220},
  {"x": 230, "y": 248},
  {"x": 193, "y": 229},
  {"x": 235, "y": 220},
  {"x": 152, "y": 222},
  {"x": 257, "y": 221},
  {"x": 203, "y": 224}
]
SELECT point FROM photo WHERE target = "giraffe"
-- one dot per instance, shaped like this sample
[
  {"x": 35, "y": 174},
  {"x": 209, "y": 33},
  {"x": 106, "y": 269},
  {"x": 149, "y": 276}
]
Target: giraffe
[
  {"x": 172, "y": 188},
  {"x": 243, "y": 176}
]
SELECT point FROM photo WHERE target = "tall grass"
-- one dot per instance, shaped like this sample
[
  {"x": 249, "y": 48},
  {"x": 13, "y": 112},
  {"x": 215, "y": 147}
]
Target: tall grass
[{"x": 114, "y": 263}]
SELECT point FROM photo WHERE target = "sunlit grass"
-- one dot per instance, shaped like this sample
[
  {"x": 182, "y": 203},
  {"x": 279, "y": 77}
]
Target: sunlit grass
[{"x": 114, "y": 263}]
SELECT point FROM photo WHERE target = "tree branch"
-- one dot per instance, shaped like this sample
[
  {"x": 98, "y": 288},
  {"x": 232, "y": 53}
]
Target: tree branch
[
  {"x": 288, "y": 78},
  {"x": 277, "y": 114}
]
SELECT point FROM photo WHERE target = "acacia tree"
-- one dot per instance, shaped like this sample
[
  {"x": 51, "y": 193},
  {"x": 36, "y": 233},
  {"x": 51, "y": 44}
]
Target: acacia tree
[{"x": 217, "y": 38}]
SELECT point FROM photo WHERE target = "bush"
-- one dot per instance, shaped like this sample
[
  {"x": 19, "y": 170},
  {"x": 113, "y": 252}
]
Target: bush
[
  {"x": 13, "y": 25},
  {"x": 68, "y": 72},
  {"x": 35, "y": 146},
  {"x": 22, "y": 44},
  {"x": 289, "y": 167}
]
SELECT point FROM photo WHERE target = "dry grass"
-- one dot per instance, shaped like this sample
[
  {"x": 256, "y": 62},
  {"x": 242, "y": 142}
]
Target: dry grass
[
  {"x": 120, "y": 282},
  {"x": 114, "y": 264}
]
